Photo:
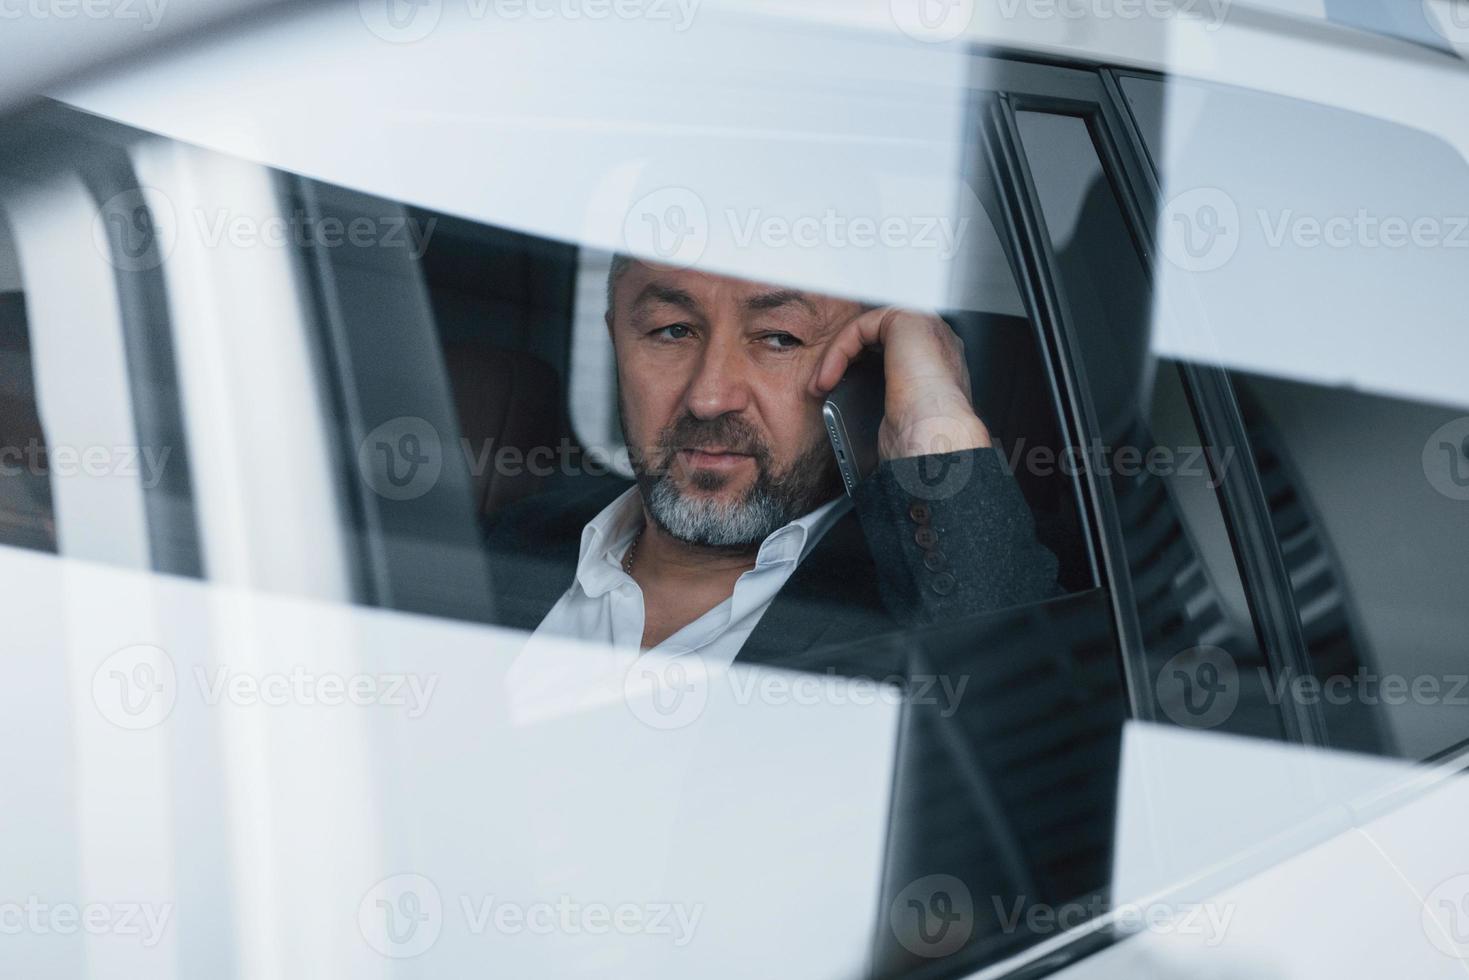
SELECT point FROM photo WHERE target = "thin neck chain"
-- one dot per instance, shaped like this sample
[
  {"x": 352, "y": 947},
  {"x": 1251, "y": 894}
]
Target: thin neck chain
[{"x": 632, "y": 551}]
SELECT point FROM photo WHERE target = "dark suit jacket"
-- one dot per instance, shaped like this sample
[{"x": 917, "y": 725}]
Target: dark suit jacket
[{"x": 928, "y": 539}]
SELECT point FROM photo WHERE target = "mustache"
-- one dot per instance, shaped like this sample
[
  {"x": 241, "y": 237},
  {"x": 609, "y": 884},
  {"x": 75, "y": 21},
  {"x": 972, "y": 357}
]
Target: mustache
[{"x": 728, "y": 432}]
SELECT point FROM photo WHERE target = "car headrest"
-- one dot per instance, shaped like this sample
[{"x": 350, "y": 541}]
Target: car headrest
[{"x": 509, "y": 405}]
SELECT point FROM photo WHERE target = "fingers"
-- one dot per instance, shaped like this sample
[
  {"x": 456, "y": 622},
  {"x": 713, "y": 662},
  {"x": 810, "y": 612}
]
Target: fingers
[{"x": 864, "y": 330}]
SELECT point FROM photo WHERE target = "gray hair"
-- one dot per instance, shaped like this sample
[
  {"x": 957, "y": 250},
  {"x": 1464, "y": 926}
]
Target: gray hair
[{"x": 620, "y": 264}]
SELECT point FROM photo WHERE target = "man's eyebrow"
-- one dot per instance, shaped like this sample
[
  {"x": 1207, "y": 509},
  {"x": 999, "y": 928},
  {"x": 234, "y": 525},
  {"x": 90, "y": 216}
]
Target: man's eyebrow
[
  {"x": 658, "y": 293},
  {"x": 775, "y": 299}
]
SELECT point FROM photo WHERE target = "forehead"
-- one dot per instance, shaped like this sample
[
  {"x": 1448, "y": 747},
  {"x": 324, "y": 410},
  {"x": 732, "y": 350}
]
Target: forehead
[{"x": 645, "y": 285}]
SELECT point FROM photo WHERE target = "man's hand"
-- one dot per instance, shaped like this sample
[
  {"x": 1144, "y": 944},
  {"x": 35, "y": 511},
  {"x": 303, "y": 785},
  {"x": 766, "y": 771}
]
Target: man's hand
[{"x": 928, "y": 407}]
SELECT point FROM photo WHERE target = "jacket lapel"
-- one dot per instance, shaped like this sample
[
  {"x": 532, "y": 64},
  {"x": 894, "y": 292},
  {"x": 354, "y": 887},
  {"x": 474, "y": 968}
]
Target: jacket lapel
[{"x": 831, "y": 598}]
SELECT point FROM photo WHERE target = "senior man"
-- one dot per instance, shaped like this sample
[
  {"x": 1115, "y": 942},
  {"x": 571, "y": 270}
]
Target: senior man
[{"x": 736, "y": 538}]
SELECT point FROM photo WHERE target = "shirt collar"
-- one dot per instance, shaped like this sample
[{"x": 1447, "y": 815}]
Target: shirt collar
[
  {"x": 796, "y": 540},
  {"x": 607, "y": 536}
]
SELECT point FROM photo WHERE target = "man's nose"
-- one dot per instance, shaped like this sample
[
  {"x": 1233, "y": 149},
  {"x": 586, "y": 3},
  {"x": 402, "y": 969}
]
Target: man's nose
[{"x": 720, "y": 384}]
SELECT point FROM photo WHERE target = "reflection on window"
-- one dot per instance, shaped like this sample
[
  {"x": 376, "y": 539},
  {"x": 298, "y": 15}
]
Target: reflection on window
[
  {"x": 1197, "y": 632},
  {"x": 26, "y": 516},
  {"x": 1344, "y": 275},
  {"x": 1367, "y": 496}
]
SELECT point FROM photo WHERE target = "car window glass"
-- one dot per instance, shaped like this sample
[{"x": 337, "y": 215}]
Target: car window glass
[
  {"x": 1327, "y": 273},
  {"x": 466, "y": 376},
  {"x": 1367, "y": 497},
  {"x": 27, "y": 518},
  {"x": 1336, "y": 257},
  {"x": 1204, "y": 662}
]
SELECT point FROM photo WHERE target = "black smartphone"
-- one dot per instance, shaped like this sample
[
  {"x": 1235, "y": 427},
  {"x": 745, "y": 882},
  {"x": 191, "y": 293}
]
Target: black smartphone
[{"x": 853, "y": 413}]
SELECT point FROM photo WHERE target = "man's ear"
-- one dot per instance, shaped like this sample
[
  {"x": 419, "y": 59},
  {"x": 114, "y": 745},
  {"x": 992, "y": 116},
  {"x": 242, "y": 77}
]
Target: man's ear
[{"x": 607, "y": 318}]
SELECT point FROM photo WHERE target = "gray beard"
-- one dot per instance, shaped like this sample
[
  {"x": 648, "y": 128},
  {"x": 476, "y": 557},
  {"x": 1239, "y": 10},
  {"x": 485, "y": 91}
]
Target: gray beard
[
  {"x": 716, "y": 523},
  {"x": 767, "y": 507}
]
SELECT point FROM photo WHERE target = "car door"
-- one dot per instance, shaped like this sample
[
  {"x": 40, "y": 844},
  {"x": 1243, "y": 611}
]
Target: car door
[{"x": 1218, "y": 295}]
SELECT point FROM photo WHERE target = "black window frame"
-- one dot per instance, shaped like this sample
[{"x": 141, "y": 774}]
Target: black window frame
[
  {"x": 1007, "y": 82},
  {"x": 1091, "y": 93}
]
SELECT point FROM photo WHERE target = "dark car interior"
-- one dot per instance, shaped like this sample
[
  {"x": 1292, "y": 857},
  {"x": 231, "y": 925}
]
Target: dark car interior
[
  {"x": 27, "y": 517},
  {"x": 503, "y": 305}
]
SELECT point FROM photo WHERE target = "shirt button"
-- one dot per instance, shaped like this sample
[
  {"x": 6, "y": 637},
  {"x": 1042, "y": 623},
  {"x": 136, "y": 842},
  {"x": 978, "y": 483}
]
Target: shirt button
[
  {"x": 943, "y": 583},
  {"x": 935, "y": 561},
  {"x": 926, "y": 537},
  {"x": 920, "y": 513}
]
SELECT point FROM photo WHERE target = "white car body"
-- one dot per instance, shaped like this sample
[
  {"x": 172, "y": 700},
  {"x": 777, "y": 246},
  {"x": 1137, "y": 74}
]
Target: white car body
[{"x": 857, "y": 108}]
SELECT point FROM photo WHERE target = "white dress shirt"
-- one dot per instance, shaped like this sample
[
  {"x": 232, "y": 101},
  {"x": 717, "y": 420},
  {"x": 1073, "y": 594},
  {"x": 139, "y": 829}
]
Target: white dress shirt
[{"x": 605, "y": 605}]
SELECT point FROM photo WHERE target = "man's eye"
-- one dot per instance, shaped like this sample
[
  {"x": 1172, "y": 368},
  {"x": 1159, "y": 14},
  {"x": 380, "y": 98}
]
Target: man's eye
[
  {"x": 676, "y": 331},
  {"x": 780, "y": 341}
]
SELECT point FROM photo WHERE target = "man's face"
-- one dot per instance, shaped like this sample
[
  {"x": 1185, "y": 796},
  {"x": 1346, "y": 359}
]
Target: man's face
[{"x": 726, "y": 438}]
